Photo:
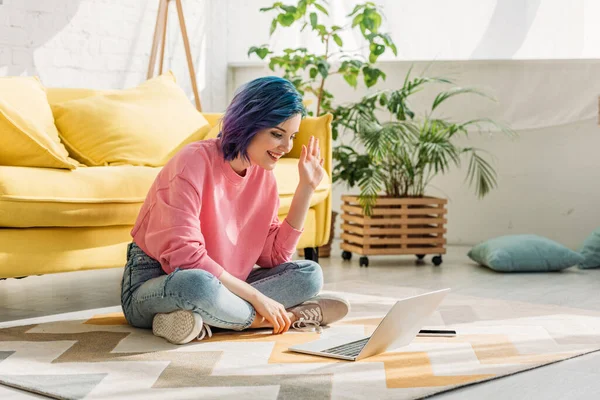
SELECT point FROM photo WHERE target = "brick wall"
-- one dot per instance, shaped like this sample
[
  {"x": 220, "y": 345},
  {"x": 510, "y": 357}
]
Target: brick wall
[{"x": 106, "y": 43}]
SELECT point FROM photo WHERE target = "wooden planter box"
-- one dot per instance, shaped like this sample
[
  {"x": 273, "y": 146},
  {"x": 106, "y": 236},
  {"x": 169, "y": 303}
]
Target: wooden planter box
[{"x": 406, "y": 225}]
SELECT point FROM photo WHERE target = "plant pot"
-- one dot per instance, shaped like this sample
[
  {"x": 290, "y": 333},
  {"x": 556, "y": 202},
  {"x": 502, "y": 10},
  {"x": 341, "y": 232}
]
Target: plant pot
[
  {"x": 325, "y": 250},
  {"x": 403, "y": 225}
]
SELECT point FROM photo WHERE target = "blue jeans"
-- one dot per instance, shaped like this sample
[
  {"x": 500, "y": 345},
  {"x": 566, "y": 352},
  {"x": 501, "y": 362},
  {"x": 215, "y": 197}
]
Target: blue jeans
[{"x": 147, "y": 290}]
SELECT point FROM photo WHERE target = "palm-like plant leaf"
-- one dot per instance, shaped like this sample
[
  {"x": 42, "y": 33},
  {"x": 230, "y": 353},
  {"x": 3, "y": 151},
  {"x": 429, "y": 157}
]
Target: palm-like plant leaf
[
  {"x": 370, "y": 185},
  {"x": 486, "y": 121},
  {"x": 443, "y": 96},
  {"x": 380, "y": 139},
  {"x": 402, "y": 155},
  {"x": 481, "y": 172}
]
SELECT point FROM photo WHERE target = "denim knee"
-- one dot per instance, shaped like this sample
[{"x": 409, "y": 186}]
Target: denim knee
[
  {"x": 193, "y": 286},
  {"x": 200, "y": 291},
  {"x": 313, "y": 277}
]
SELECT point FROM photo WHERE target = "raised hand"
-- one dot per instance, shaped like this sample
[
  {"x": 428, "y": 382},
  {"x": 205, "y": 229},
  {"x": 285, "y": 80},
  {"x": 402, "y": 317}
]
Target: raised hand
[{"x": 310, "y": 166}]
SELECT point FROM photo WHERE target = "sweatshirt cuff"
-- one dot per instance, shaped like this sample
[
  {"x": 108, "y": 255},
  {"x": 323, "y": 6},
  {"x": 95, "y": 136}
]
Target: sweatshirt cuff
[
  {"x": 213, "y": 267},
  {"x": 288, "y": 236}
]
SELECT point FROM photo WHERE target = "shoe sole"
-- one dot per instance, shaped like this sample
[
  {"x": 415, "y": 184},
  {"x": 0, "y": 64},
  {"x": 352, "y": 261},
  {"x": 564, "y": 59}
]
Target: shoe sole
[{"x": 177, "y": 327}]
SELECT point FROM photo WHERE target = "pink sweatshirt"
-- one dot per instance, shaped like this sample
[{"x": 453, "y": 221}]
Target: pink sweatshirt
[{"x": 199, "y": 213}]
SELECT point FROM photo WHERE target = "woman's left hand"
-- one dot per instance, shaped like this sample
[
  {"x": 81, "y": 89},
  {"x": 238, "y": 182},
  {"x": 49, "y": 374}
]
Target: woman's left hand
[{"x": 310, "y": 166}]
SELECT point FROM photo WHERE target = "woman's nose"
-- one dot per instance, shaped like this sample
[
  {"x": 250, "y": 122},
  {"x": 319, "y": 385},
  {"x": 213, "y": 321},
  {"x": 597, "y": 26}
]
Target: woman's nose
[{"x": 287, "y": 146}]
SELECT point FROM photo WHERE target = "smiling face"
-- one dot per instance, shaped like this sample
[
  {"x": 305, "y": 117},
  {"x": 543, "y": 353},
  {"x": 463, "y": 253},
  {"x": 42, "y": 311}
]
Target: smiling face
[{"x": 269, "y": 145}]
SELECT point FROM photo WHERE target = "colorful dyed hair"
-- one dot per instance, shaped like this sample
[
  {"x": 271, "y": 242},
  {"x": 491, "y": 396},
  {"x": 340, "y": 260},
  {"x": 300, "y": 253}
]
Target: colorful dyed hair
[{"x": 259, "y": 104}]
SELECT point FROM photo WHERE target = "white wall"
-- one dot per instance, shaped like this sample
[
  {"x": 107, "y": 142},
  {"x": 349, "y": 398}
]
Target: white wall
[
  {"x": 449, "y": 30},
  {"x": 106, "y": 43}
]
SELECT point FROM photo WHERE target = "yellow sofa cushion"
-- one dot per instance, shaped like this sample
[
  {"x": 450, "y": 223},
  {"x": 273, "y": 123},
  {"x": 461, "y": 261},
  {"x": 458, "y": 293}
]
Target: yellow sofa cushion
[
  {"x": 95, "y": 196},
  {"x": 137, "y": 126},
  {"x": 286, "y": 174},
  {"x": 28, "y": 136},
  {"x": 101, "y": 196}
]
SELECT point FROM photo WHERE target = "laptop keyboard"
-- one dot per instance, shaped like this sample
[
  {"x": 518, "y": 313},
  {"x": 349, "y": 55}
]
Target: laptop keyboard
[{"x": 349, "y": 349}]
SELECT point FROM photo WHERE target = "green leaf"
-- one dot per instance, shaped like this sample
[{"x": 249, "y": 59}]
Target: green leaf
[
  {"x": 376, "y": 19},
  {"x": 301, "y": 8},
  {"x": 383, "y": 99},
  {"x": 376, "y": 51},
  {"x": 501, "y": 127},
  {"x": 371, "y": 75},
  {"x": 289, "y": 9},
  {"x": 371, "y": 185},
  {"x": 481, "y": 173},
  {"x": 262, "y": 52},
  {"x": 443, "y": 96},
  {"x": 286, "y": 19},
  {"x": 313, "y": 73},
  {"x": 357, "y": 20},
  {"x": 323, "y": 68},
  {"x": 352, "y": 79},
  {"x": 366, "y": 25},
  {"x": 338, "y": 40},
  {"x": 313, "y": 19},
  {"x": 273, "y": 26},
  {"x": 322, "y": 9},
  {"x": 356, "y": 8},
  {"x": 389, "y": 43}
]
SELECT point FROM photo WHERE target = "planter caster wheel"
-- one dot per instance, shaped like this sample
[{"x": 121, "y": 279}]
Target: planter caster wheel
[
  {"x": 363, "y": 261},
  {"x": 346, "y": 255},
  {"x": 437, "y": 260},
  {"x": 420, "y": 256}
]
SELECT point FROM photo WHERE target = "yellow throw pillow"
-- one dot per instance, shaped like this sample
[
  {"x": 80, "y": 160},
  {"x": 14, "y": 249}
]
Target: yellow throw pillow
[
  {"x": 194, "y": 137},
  {"x": 137, "y": 126},
  {"x": 28, "y": 137}
]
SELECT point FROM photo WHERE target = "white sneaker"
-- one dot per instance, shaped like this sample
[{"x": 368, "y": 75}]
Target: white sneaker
[{"x": 180, "y": 327}]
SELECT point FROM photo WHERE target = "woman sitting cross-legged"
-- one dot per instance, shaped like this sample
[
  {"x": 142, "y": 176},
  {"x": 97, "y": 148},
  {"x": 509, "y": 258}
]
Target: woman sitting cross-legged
[{"x": 211, "y": 216}]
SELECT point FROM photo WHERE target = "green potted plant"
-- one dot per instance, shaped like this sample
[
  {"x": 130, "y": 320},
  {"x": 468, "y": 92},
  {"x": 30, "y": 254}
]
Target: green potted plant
[
  {"x": 402, "y": 153},
  {"x": 310, "y": 71}
]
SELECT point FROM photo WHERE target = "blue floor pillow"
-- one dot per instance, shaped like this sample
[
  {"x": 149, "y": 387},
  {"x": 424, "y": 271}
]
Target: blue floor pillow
[
  {"x": 524, "y": 253},
  {"x": 591, "y": 251}
]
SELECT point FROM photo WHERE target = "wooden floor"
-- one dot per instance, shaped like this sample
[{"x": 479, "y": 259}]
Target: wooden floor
[{"x": 573, "y": 379}]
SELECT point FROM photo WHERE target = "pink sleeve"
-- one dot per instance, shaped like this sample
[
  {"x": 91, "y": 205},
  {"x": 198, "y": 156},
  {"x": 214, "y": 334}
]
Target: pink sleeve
[
  {"x": 280, "y": 244},
  {"x": 174, "y": 233}
]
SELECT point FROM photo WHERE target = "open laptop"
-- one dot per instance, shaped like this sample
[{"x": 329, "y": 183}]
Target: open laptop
[{"x": 398, "y": 328}]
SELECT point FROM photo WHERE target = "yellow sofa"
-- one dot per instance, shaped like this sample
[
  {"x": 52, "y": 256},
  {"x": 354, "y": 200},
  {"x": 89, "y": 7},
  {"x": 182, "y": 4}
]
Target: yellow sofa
[{"x": 57, "y": 220}]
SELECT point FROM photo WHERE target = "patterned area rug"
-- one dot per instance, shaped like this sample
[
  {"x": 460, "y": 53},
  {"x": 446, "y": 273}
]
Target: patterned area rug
[{"x": 96, "y": 355}]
